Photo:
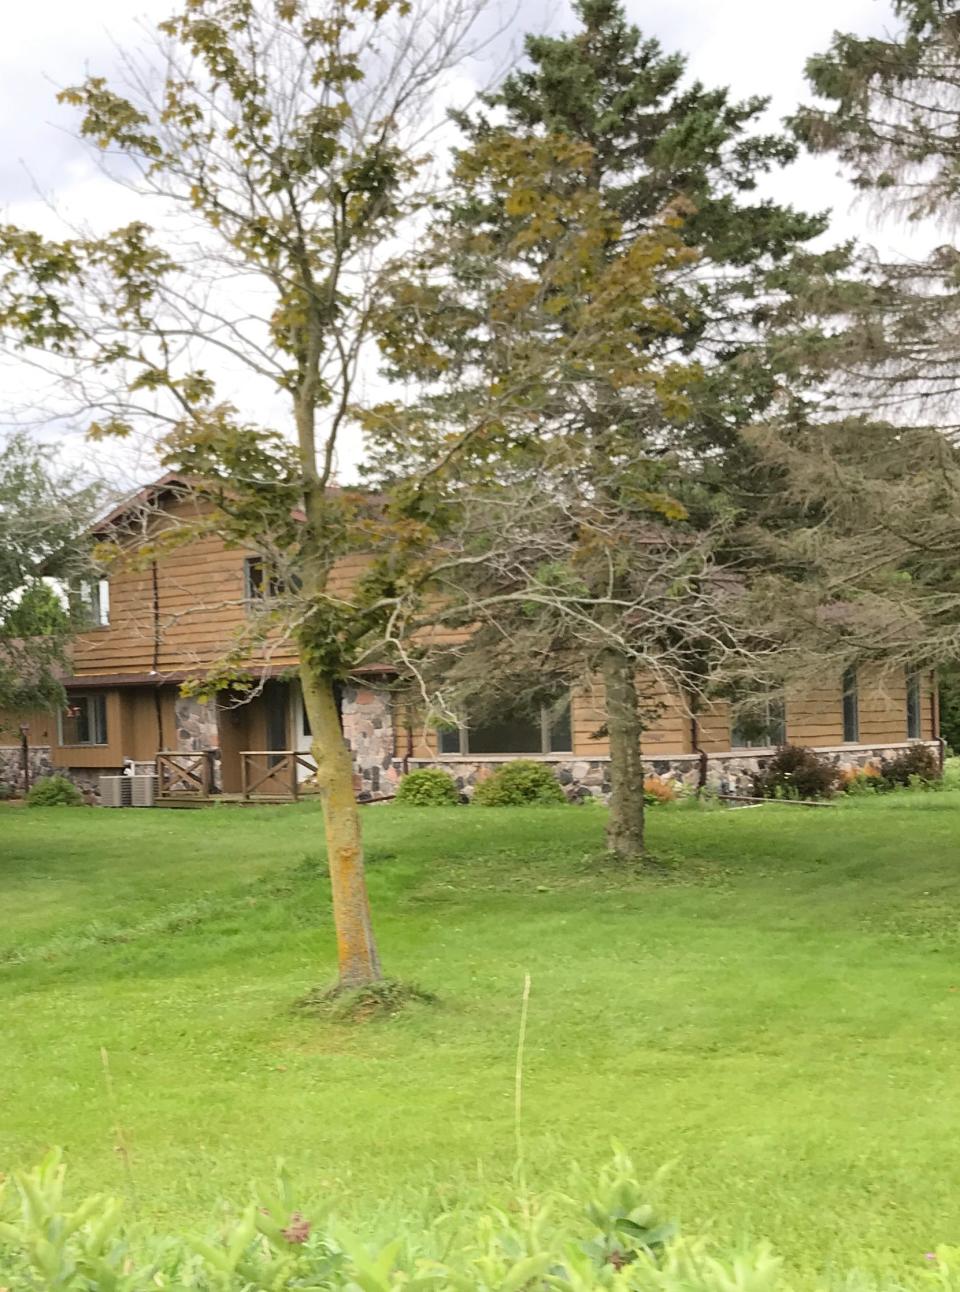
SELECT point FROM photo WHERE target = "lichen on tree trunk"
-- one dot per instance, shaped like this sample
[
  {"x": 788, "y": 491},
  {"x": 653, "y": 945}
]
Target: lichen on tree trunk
[
  {"x": 357, "y": 956},
  {"x": 625, "y": 828}
]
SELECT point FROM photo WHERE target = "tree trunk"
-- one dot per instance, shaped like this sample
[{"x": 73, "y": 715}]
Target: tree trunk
[
  {"x": 357, "y": 956},
  {"x": 625, "y": 827}
]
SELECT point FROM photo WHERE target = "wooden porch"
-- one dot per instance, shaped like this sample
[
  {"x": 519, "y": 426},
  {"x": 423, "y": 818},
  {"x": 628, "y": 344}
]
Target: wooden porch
[{"x": 187, "y": 780}]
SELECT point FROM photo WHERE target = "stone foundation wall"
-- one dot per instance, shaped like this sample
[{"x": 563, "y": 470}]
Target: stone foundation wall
[
  {"x": 583, "y": 778},
  {"x": 11, "y": 765},
  {"x": 87, "y": 779}
]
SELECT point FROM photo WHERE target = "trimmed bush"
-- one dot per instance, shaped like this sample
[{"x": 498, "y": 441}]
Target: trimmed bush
[
  {"x": 516, "y": 784},
  {"x": 918, "y": 763},
  {"x": 427, "y": 787},
  {"x": 54, "y": 791},
  {"x": 795, "y": 772}
]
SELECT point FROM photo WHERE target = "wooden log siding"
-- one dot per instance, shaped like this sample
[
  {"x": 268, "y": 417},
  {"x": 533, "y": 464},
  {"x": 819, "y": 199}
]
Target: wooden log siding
[{"x": 200, "y": 591}]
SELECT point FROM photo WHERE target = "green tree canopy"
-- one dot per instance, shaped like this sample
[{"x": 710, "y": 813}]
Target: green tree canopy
[{"x": 43, "y": 515}]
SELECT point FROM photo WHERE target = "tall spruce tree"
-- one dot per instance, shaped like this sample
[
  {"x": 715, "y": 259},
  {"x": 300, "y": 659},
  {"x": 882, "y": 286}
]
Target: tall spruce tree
[
  {"x": 875, "y": 454},
  {"x": 652, "y": 151},
  {"x": 890, "y": 118}
]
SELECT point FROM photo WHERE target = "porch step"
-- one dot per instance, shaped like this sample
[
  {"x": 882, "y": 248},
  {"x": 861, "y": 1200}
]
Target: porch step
[{"x": 205, "y": 800}]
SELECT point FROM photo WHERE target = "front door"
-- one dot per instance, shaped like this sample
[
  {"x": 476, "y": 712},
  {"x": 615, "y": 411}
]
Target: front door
[
  {"x": 302, "y": 736},
  {"x": 275, "y": 704}
]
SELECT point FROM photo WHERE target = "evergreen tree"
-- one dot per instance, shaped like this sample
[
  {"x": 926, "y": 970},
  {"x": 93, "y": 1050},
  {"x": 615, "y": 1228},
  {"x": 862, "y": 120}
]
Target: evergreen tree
[
  {"x": 872, "y": 462},
  {"x": 891, "y": 121},
  {"x": 605, "y": 115}
]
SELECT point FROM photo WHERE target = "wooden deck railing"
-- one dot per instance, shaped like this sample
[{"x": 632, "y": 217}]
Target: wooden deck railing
[
  {"x": 272, "y": 773},
  {"x": 180, "y": 774}
]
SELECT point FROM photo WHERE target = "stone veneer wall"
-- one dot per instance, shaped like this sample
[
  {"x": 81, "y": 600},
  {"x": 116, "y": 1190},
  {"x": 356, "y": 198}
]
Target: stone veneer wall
[
  {"x": 368, "y": 728},
  {"x": 582, "y": 778},
  {"x": 197, "y": 725},
  {"x": 198, "y": 730}
]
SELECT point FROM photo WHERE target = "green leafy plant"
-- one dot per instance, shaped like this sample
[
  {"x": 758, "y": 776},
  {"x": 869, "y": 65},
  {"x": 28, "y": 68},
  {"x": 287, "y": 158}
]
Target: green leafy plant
[
  {"x": 519, "y": 783},
  {"x": 427, "y": 787},
  {"x": 602, "y": 1234},
  {"x": 54, "y": 791},
  {"x": 6, "y": 791},
  {"x": 796, "y": 772}
]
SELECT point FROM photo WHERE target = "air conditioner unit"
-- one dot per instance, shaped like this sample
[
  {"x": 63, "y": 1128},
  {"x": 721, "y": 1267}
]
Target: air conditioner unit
[
  {"x": 115, "y": 791},
  {"x": 142, "y": 790}
]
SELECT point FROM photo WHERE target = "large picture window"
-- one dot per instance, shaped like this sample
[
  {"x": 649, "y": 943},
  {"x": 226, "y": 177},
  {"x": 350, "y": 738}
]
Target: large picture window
[
  {"x": 84, "y": 720},
  {"x": 546, "y": 731},
  {"x": 759, "y": 726},
  {"x": 851, "y": 707}
]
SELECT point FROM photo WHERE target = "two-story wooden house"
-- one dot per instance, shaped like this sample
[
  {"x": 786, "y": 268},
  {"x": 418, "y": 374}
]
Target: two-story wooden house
[{"x": 167, "y": 619}]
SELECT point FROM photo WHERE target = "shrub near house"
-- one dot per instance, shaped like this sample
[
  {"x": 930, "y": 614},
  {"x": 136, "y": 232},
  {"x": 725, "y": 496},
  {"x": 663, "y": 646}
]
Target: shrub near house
[
  {"x": 428, "y": 787},
  {"x": 519, "y": 783},
  {"x": 54, "y": 791},
  {"x": 795, "y": 772}
]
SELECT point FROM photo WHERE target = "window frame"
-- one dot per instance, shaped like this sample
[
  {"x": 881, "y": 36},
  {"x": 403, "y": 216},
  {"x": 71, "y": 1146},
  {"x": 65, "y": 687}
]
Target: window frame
[
  {"x": 549, "y": 714},
  {"x": 850, "y": 705},
  {"x": 914, "y": 701},
  {"x": 98, "y": 721},
  {"x": 775, "y": 721}
]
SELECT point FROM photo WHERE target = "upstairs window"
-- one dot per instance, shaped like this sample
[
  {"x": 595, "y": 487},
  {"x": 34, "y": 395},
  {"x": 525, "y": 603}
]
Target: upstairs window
[
  {"x": 90, "y": 602},
  {"x": 262, "y": 583},
  {"x": 546, "y": 731},
  {"x": 84, "y": 720},
  {"x": 759, "y": 726},
  {"x": 914, "y": 720},
  {"x": 258, "y": 583},
  {"x": 851, "y": 707}
]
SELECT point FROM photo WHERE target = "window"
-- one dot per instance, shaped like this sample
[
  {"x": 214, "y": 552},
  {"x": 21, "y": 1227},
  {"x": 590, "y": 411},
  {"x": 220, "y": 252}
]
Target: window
[
  {"x": 84, "y": 720},
  {"x": 851, "y": 707},
  {"x": 257, "y": 586},
  {"x": 261, "y": 583},
  {"x": 914, "y": 731},
  {"x": 759, "y": 726},
  {"x": 90, "y": 600},
  {"x": 547, "y": 731}
]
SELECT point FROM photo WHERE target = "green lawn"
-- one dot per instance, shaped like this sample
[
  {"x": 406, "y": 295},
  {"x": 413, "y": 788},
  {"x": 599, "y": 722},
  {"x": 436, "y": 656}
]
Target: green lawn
[{"x": 777, "y": 1014}]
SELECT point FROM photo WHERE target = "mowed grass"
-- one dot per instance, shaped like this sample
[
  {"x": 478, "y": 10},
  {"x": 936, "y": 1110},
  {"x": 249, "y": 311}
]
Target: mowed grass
[{"x": 775, "y": 1011}]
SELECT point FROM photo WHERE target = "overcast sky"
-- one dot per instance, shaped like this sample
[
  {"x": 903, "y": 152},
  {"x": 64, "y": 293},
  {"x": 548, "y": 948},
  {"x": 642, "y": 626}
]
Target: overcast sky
[{"x": 754, "y": 46}]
